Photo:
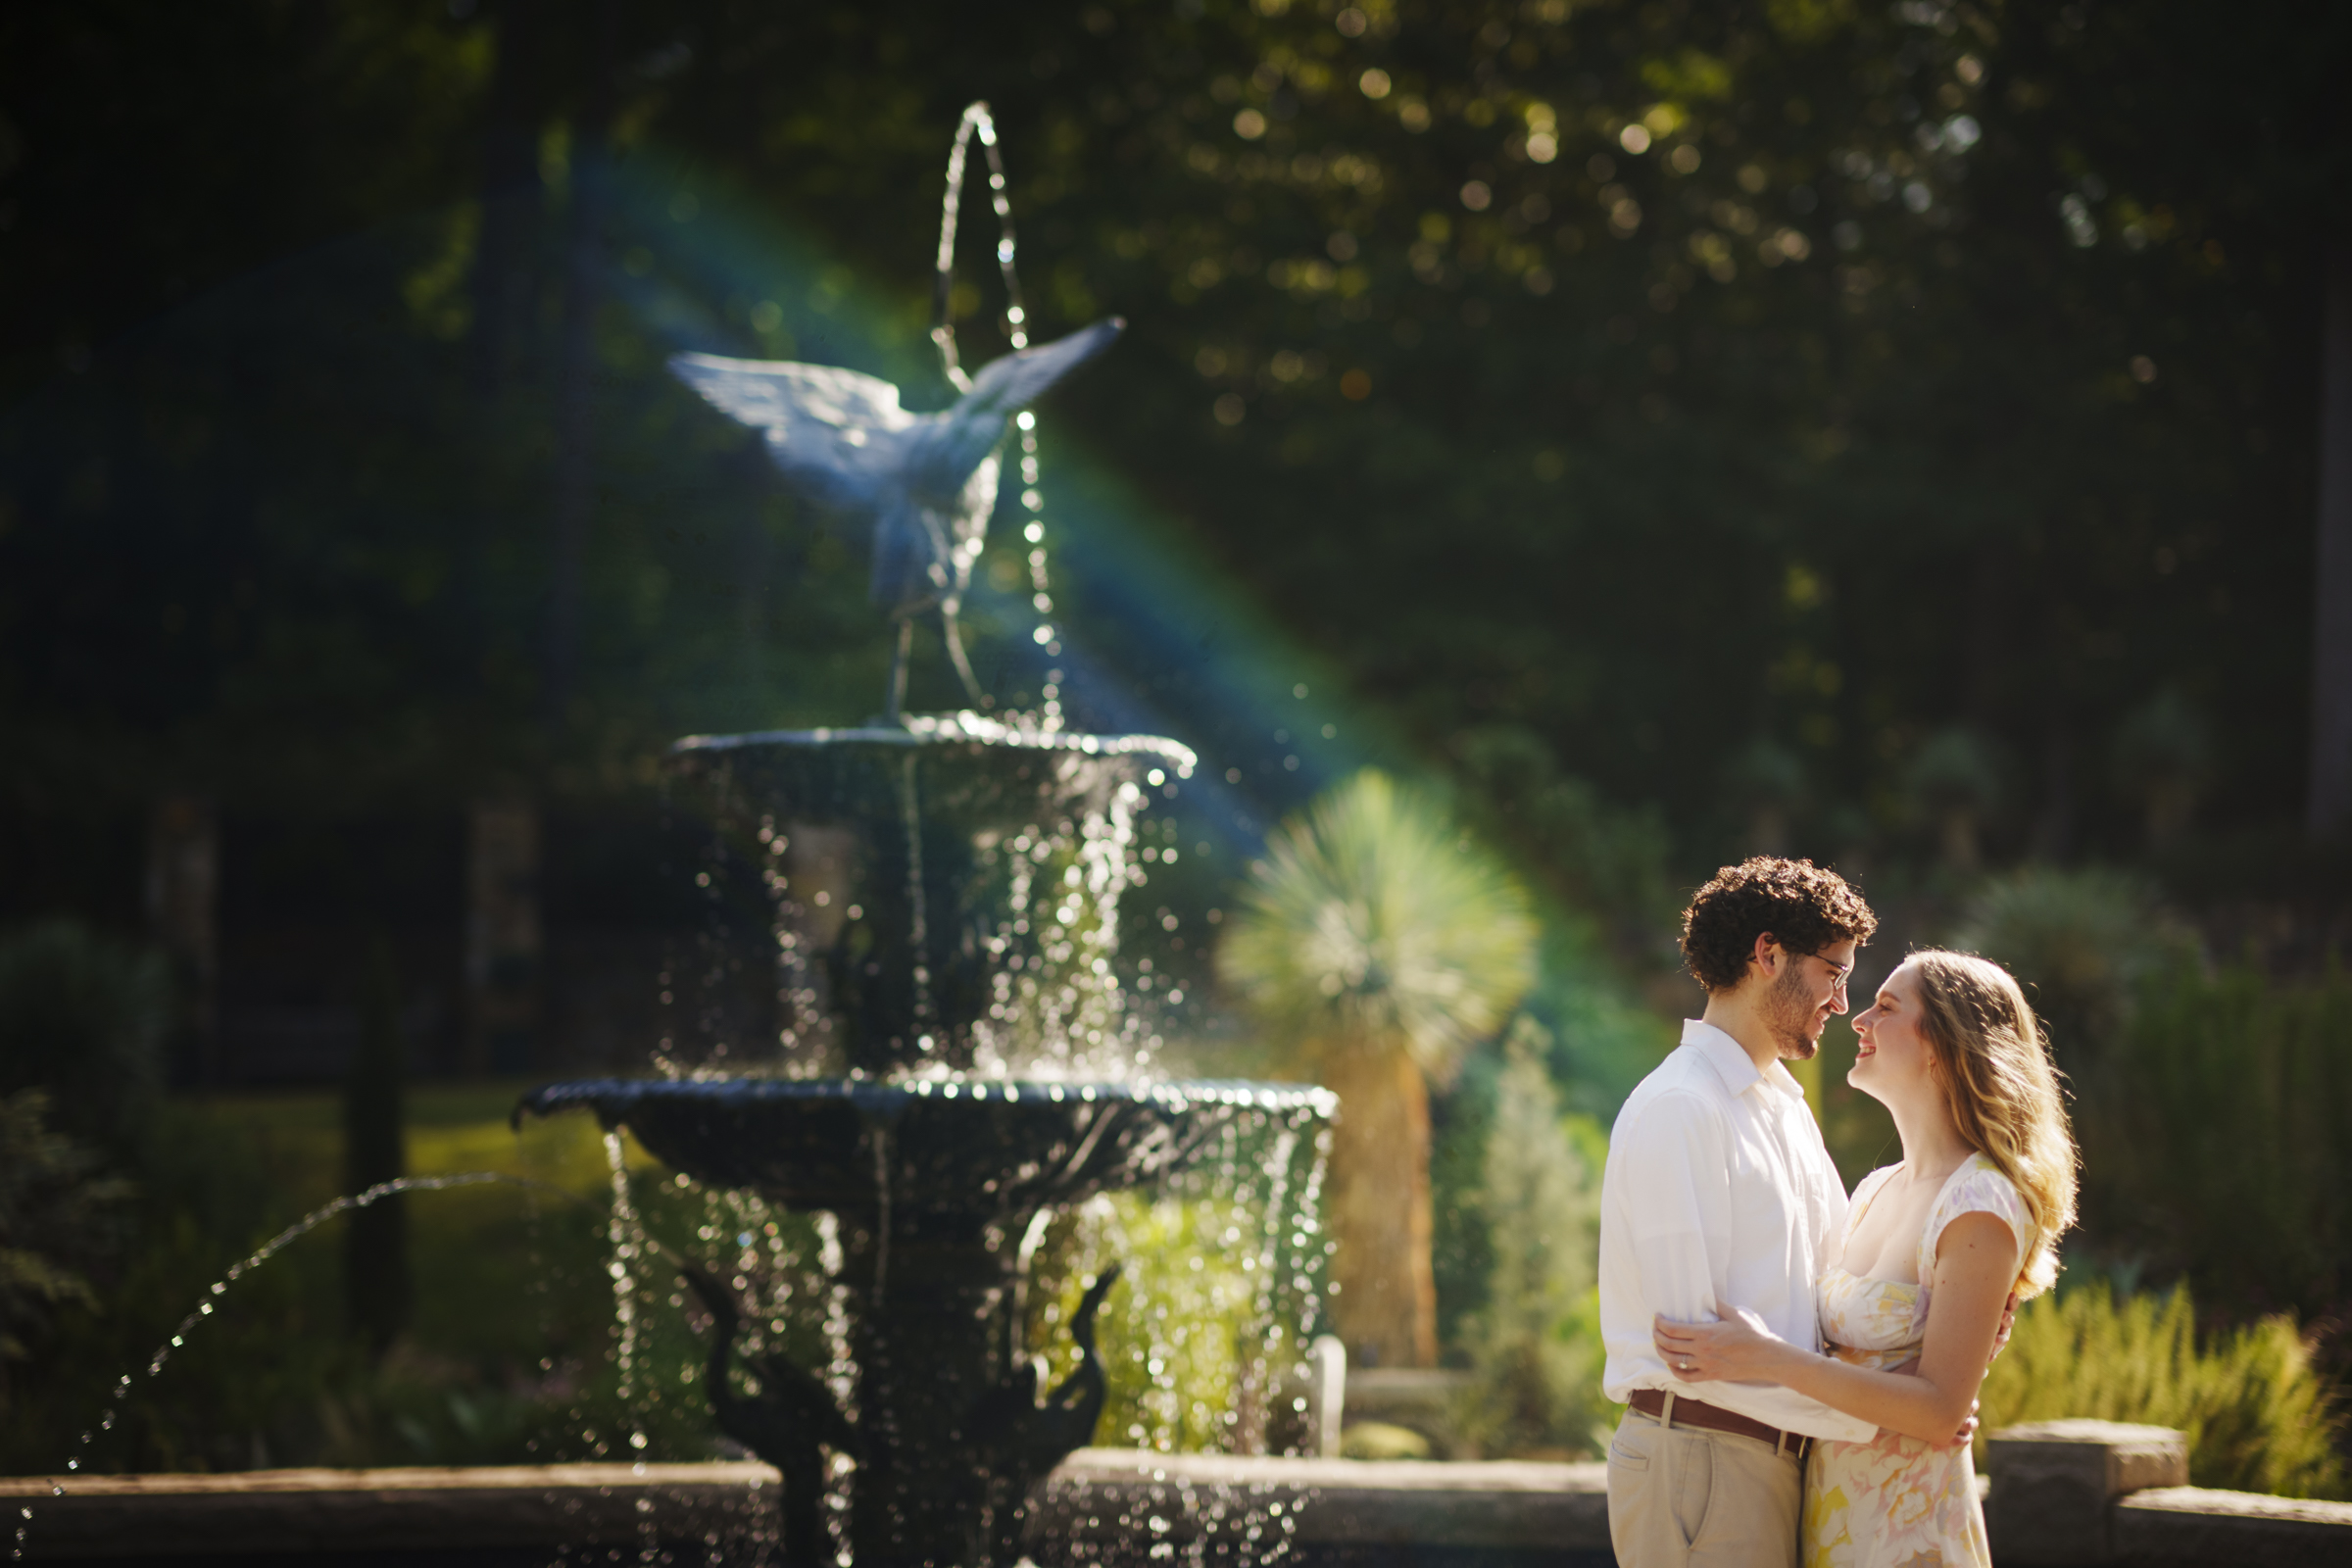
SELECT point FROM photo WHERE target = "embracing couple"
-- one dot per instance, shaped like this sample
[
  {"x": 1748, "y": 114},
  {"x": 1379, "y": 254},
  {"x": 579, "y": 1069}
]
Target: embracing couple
[{"x": 1800, "y": 1368}]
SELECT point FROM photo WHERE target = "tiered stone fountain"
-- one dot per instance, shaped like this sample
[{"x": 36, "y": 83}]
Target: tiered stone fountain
[
  {"x": 938, "y": 1178},
  {"x": 945, "y": 895}
]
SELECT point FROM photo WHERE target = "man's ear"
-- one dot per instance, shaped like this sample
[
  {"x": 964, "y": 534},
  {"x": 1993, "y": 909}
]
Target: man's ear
[{"x": 1768, "y": 955}]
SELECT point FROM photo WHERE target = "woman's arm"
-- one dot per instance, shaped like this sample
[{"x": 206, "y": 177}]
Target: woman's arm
[{"x": 1976, "y": 1266}]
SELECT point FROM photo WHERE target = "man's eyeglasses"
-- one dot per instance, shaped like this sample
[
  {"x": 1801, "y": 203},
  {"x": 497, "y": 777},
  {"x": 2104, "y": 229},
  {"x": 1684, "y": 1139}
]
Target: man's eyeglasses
[{"x": 1840, "y": 972}]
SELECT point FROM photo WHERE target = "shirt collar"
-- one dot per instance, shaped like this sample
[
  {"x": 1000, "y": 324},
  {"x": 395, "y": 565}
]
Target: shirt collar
[{"x": 1731, "y": 1062}]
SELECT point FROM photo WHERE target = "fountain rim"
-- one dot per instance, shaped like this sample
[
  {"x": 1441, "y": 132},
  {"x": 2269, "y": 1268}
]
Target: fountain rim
[
  {"x": 962, "y": 727},
  {"x": 886, "y": 1095}
]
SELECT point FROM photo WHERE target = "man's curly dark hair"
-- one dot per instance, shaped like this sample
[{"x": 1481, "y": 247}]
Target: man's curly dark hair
[{"x": 1801, "y": 905}]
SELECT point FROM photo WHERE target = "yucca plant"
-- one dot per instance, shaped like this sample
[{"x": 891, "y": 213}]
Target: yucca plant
[
  {"x": 1375, "y": 941},
  {"x": 2259, "y": 1415}
]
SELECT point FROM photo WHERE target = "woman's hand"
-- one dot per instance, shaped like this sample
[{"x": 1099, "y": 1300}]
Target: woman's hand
[{"x": 1739, "y": 1350}]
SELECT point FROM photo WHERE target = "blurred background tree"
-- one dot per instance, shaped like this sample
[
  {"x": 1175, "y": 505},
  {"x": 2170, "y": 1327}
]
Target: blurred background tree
[
  {"x": 1611, "y": 372},
  {"x": 1373, "y": 945}
]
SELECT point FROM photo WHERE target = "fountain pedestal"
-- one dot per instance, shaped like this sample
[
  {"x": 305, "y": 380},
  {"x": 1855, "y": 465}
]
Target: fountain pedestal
[{"x": 935, "y": 1185}]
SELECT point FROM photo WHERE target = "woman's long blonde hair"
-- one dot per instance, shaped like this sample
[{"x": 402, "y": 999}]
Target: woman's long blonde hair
[{"x": 1994, "y": 1068}]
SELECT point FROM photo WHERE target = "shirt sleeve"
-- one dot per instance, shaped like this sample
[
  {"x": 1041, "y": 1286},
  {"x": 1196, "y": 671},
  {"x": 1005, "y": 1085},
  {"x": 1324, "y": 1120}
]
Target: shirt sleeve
[{"x": 1678, "y": 1207}]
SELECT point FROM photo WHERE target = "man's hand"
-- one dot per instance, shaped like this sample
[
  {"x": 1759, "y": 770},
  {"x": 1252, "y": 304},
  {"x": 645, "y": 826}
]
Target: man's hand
[
  {"x": 1968, "y": 1430},
  {"x": 2001, "y": 1336}
]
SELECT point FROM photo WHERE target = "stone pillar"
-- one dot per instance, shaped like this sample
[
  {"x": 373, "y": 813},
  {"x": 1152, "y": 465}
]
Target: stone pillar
[
  {"x": 183, "y": 914},
  {"x": 2055, "y": 1486},
  {"x": 1326, "y": 1396},
  {"x": 502, "y": 936}
]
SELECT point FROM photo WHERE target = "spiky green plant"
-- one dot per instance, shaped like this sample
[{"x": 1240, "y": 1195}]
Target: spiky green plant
[
  {"x": 1374, "y": 942},
  {"x": 2259, "y": 1415}
]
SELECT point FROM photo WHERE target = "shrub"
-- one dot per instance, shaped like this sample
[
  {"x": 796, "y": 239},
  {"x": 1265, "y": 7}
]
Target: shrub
[
  {"x": 2222, "y": 1145},
  {"x": 1203, "y": 1339},
  {"x": 85, "y": 1018},
  {"x": 58, "y": 1213},
  {"x": 1534, "y": 1377},
  {"x": 2083, "y": 943},
  {"x": 2258, "y": 1415}
]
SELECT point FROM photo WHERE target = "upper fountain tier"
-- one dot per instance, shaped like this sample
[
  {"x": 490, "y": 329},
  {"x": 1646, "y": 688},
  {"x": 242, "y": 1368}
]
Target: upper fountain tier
[
  {"x": 944, "y": 734},
  {"x": 945, "y": 890}
]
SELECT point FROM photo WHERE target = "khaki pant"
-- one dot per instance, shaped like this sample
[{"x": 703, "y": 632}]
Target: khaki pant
[{"x": 1711, "y": 1500}]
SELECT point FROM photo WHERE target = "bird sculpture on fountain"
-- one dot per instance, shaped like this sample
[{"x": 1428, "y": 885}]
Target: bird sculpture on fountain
[
  {"x": 791, "y": 1420},
  {"x": 1017, "y": 1438},
  {"x": 926, "y": 481}
]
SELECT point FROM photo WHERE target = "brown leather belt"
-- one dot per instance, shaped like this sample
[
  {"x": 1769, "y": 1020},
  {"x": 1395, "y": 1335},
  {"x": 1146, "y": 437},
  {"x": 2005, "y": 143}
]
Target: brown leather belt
[{"x": 1690, "y": 1412}]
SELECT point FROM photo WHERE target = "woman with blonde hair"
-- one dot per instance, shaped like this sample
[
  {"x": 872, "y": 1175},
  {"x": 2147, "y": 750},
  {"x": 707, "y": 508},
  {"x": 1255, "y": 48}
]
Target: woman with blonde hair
[{"x": 1971, "y": 1217}]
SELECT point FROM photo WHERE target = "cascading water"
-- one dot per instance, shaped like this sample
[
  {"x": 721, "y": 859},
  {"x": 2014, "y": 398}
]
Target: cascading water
[{"x": 958, "y": 1058}]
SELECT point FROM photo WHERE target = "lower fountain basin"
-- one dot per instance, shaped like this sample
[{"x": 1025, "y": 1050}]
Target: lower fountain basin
[
  {"x": 943, "y": 1148},
  {"x": 931, "y": 1179}
]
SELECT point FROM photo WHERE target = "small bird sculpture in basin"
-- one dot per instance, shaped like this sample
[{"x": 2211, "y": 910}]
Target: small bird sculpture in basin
[{"x": 927, "y": 481}]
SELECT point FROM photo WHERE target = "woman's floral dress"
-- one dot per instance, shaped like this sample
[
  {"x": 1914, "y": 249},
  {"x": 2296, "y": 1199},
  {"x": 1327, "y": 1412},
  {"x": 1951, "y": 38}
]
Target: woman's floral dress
[{"x": 1897, "y": 1502}]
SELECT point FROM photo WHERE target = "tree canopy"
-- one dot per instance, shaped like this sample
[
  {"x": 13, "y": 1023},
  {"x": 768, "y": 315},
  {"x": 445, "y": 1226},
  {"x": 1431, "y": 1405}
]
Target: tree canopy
[{"x": 1752, "y": 407}]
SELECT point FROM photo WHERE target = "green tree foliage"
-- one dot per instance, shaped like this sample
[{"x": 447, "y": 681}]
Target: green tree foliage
[
  {"x": 2225, "y": 1138},
  {"x": 2084, "y": 942},
  {"x": 1375, "y": 941},
  {"x": 1607, "y": 371},
  {"x": 2259, "y": 1416},
  {"x": 84, "y": 1017},
  {"x": 1536, "y": 1368},
  {"x": 60, "y": 1217},
  {"x": 2210, "y": 1102}
]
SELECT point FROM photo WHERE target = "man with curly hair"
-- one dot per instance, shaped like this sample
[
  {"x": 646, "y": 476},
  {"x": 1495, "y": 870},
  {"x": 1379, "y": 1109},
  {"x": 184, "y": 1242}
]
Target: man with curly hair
[{"x": 1719, "y": 1197}]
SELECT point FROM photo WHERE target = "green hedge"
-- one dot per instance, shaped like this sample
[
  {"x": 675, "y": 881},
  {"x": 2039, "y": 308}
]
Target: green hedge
[{"x": 2258, "y": 1414}]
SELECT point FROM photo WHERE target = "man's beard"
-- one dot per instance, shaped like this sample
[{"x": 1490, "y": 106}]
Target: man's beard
[{"x": 1788, "y": 1016}]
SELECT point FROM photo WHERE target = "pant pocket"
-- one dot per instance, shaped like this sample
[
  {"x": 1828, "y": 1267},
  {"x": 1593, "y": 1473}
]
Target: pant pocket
[{"x": 1693, "y": 1486}]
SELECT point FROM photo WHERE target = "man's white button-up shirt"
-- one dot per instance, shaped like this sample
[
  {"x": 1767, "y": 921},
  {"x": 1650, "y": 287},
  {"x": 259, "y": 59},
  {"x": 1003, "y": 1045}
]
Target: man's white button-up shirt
[{"x": 1719, "y": 1193}]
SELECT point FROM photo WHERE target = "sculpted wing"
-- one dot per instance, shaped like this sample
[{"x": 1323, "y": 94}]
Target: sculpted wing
[
  {"x": 830, "y": 432},
  {"x": 952, "y": 445}
]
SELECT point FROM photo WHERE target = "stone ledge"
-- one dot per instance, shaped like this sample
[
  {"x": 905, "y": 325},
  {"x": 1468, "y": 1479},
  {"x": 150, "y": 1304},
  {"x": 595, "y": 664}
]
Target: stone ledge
[
  {"x": 1103, "y": 1506},
  {"x": 404, "y": 1510},
  {"x": 2054, "y": 1484},
  {"x": 2200, "y": 1525}
]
